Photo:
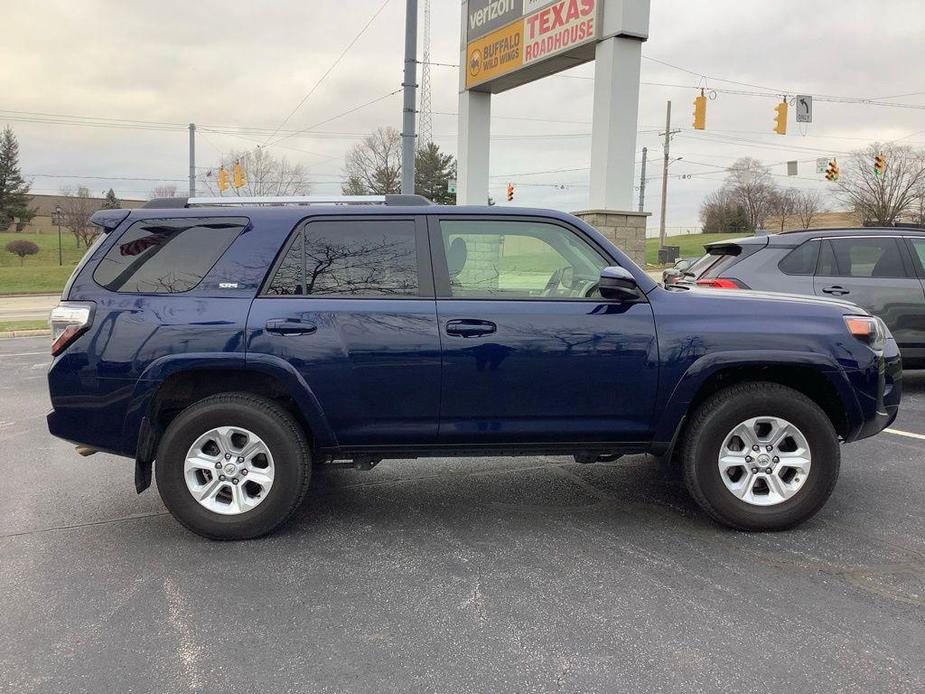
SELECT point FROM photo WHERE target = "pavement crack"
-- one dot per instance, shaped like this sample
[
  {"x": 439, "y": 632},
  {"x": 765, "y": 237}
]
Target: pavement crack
[{"x": 74, "y": 526}]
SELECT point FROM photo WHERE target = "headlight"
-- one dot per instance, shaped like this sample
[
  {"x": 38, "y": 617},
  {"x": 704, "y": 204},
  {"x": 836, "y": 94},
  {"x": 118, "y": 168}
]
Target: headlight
[{"x": 867, "y": 329}]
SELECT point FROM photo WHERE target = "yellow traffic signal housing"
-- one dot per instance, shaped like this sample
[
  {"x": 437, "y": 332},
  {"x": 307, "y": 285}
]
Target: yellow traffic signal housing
[
  {"x": 240, "y": 178},
  {"x": 879, "y": 164},
  {"x": 700, "y": 112},
  {"x": 222, "y": 180},
  {"x": 780, "y": 120},
  {"x": 510, "y": 192},
  {"x": 831, "y": 172}
]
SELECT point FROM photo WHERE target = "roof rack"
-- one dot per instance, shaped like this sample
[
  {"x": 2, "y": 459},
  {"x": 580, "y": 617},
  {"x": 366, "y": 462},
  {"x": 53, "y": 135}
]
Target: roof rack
[{"x": 388, "y": 200}]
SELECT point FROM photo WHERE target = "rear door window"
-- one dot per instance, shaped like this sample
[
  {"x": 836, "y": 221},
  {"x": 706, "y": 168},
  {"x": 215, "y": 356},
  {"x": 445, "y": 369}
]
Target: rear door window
[
  {"x": 351, "y": 259},
  {"x": 166, "y": 256},
  {"x": 867, "y": 257}
]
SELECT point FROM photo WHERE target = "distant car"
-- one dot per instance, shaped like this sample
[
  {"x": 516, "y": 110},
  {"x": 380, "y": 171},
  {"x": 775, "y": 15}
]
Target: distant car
[
  {"x": 676, "y": 271},
  {"x": 881, "y": 270}
]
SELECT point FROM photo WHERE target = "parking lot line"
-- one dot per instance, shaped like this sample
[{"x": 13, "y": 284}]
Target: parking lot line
[
  {"x": 910, "y": 434},
  {"x": 24, "y": 354}
]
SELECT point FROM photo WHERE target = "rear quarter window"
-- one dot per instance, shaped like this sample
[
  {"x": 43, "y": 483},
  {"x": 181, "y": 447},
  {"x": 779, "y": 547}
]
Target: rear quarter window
[
  {"x": 801, "y": 260},
  {"x": 166, "y": 256}
]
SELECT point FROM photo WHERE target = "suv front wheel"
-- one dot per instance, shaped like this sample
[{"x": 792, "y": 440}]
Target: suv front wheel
[
  {"x": 760, "y": 456},
  {"x": 233, "y": 466}
]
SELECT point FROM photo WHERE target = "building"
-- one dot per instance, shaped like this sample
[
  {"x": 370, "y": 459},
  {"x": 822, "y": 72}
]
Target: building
[{"x": 43, "y": 222}]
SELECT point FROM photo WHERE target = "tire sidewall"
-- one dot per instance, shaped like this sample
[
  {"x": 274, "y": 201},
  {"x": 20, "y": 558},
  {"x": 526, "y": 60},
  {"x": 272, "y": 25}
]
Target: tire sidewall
[
  {"x": 287, "y": 454},
  {"x": 823, "y": 443}
]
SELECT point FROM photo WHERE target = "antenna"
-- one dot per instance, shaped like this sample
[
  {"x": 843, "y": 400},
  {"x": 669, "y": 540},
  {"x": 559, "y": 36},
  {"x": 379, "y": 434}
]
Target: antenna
[{"x": 425, "y": 116}]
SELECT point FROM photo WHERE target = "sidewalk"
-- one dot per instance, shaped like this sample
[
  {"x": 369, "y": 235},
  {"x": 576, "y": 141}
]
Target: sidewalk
[{"x": 31, "y": 307}]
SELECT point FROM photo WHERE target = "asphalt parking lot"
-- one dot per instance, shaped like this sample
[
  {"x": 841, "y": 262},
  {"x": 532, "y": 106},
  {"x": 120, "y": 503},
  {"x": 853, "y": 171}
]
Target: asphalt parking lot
[{"x": 518, "y": 574}]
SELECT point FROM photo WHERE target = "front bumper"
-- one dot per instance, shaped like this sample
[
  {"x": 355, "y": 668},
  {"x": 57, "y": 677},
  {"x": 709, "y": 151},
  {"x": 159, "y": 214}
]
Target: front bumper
[{"x": 880, "y": 392}]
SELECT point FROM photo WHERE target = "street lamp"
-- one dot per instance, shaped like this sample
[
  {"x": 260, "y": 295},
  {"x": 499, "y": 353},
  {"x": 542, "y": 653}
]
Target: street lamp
[{"x": 57, "y": 221}]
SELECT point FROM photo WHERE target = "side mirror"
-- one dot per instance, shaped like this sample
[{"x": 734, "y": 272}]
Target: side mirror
[{"x": 617, "y": 283}]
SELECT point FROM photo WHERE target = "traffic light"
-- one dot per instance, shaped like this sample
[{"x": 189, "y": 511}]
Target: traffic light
[
  {"x": 222, "y": 180},
  {"x": 879, "y": 164},
  {"x": 510, "y": 192},
  {"x": 700, "y": 112},
  {"x": 831, "y": 172},
  {"x": 240, "y": 178},
  {"x": 780, "y": 120}
]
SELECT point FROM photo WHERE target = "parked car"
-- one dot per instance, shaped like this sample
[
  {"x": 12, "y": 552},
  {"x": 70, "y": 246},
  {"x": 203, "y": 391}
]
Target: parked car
[
  {"x": 676, "y": 271},
  {"x": 881, "y": 270},
  {"x": 233, "y": 348}
]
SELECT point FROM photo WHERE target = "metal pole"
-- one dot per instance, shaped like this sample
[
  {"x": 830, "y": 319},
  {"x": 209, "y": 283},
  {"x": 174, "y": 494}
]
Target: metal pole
[
  {"x": 58, "y": 224},
  {"x": 661, "y": 223},
  {"x": 192, "y": 160},
  {"x": 642, "y": 180},
  {"x": 409, "y": 84}
]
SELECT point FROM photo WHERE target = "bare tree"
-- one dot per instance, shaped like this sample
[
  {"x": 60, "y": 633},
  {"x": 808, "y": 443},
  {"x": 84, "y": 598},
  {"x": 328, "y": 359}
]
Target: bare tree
[
  {"x": 164, "y": 190},
  {"x": 265, "y": 175},
  {"x": 76, "y": 209},
  {"x": 809, "y": 205},
  {"x": 373, "y": 166},
  {"x": 750, "y": 184},
  {"x": 783, "y": 204},
  {"x": 884, "y": 198},
  {"x": 722, "y": 213}
]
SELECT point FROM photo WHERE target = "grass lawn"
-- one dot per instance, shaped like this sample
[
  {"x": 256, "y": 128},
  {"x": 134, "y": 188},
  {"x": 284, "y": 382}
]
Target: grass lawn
[
  {"x": 39, "y": 273},
  {"x": 691, "y": 244},
  {"x": 6, "y": 326}
]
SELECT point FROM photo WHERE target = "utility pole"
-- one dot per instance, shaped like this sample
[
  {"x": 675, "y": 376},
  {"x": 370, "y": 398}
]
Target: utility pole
[
  {"x": 192, "y": 160},
  {"x": 409, "y": 85},
  {"x": 58, "y": 221},
  {"x": 668, "y": 133},
  {"x": 642, "y": 180}
]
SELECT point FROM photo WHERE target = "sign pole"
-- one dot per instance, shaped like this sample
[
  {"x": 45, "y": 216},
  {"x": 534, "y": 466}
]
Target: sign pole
[
  {"x": 409, "y": 84},
  {"x": 192, "y": 160}
]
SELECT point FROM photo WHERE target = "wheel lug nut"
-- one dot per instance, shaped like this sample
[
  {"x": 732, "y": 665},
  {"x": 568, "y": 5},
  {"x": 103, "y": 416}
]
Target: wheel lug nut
[
  {"x": 218, "y": 466},
  {"x": 243, "y": 472},
  {"x": 775, "y": 459},
  {"x": 240, "y": 459},
  {"x": 754, "y": 470},
  {"x": 234, "y": 481},
  {"x": 748, "y": 459},
  {"x": 228, "y": 456},
  {"x": 769, "y": 448},
  {"x": 768, "y": 470},
  {"x": 755, "y": 447},
  {"x": 221, "y": 478}
]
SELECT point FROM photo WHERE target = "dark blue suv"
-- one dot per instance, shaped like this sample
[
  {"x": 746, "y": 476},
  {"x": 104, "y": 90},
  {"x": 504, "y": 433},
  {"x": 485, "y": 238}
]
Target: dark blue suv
[{"x": 239, "y": 345}]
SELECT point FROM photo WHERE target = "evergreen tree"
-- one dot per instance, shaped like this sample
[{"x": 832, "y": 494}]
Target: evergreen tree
[
  {"x": 14, "y": 191},
  {"x": 111, "y": 202},
  {"x": 432, "y": 174}
]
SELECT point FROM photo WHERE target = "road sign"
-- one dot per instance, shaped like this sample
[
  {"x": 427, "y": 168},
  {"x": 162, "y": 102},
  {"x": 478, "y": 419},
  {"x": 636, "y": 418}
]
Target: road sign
[
  {"x": 451, "y": 186},
  {"x": 804, "y": 108},
  {"x": 791, "y": 168},
  {"x": 821, "y": 165}
]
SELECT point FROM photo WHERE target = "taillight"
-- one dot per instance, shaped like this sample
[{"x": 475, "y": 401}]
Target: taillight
[
  {"x": 68, "y": 321},
  {"x": 721, "y": 283},
  {"x": 868, "y": 330}
]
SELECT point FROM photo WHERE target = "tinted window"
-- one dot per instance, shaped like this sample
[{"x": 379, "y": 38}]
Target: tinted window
[
  {"x": 166, "y": 256},
  {"x": 868, "y": 257},
  {"x": 801, "y": 260},
  {"x": 918, "y": 245},
  {"x": 517, "y": 260},
  {"x": 350, "y": 258}
]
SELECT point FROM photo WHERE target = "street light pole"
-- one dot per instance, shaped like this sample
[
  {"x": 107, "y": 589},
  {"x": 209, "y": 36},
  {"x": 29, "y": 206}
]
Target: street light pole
[
  {"x": 58, "y": 223},
  {"x": 409, "y": 85}
]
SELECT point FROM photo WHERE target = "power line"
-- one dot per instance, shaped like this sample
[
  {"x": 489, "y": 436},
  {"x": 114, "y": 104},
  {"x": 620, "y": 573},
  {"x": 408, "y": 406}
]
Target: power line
[{"x": 328, "y": 71}]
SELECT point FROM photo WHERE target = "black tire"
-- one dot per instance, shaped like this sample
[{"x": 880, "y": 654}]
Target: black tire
[
  {"x": 274, "y": 425},
  {"x": 706, "y": 433}
]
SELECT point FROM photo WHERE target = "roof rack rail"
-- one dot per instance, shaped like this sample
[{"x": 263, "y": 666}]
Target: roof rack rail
[{"x": 389, "y": 200}]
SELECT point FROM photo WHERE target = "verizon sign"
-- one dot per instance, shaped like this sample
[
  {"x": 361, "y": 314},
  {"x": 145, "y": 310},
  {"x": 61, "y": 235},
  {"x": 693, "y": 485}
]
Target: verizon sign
[{"x": 505, "y": 36}]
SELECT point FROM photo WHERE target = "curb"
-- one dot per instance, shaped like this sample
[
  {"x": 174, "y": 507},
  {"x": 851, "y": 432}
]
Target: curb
[{"x": 24, "y": 333}]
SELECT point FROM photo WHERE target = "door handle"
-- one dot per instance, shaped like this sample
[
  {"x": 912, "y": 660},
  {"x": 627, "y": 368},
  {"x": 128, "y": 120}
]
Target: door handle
[
  {"x": 836, "y": 290},
  {"x": 287, "y": 326},
  {"x": 470, "y": 328}
]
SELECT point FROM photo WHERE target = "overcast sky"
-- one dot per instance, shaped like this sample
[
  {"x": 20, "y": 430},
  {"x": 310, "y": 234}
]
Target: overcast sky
[{"x": 249, "y": 64}]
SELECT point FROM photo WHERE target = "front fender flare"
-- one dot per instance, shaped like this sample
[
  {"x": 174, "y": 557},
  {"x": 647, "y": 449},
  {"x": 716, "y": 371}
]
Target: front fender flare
[{"x": 685, "y": 390}]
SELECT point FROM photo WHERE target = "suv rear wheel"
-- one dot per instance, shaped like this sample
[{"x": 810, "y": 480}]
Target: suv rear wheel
[
  {"x": 233, "y": 466},
  {"x": 760, "y": 456}
]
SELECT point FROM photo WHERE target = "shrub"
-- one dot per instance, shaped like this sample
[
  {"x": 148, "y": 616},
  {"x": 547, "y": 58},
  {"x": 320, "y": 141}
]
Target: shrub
[{"x": 22, "y": 248}]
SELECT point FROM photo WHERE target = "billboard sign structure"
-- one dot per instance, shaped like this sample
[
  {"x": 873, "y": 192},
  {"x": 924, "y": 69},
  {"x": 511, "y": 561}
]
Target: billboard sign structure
[{"x": 512, "y": 42}]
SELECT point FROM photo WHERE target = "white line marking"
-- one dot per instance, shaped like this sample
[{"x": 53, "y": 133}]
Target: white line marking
[
  {"x": 905, "y": 433},
  {"x": 24, "y": 354}
]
